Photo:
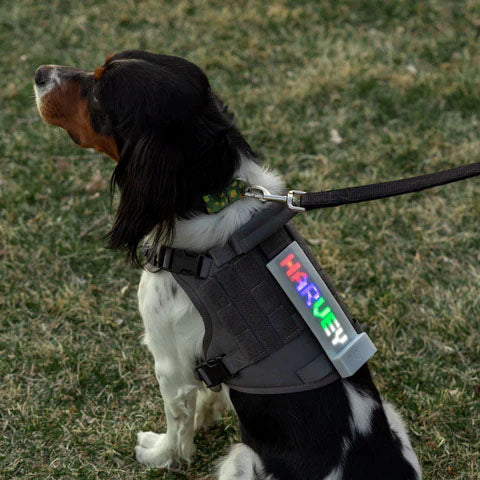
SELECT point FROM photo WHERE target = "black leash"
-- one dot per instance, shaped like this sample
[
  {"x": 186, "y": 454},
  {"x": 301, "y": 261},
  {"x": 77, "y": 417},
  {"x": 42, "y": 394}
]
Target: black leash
[
  {"x": 364, "y": 193},
  {"x": 301, "y": 201}
]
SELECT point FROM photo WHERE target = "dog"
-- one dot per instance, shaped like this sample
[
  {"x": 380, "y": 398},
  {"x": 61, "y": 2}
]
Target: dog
[{"x": 173, "y": 141}]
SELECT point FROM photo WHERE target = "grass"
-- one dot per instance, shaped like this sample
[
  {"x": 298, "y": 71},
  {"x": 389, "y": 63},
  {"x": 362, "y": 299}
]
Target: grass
[{"x": 399, "y": 81}]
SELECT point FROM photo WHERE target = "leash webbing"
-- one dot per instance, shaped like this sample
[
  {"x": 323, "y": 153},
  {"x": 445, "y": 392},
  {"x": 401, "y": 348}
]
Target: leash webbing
[{"x": 364, "y": 193}]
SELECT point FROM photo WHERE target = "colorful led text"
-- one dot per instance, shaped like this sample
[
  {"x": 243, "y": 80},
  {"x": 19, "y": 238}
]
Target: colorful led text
[{"x": 314, "y": 300}]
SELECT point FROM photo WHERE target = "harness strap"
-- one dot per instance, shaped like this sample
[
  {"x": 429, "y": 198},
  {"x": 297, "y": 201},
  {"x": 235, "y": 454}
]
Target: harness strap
[
  {"x": 177, "y": 260},
  {"x": 364, "y": 193},
  {"x": 263, "y": 225},
  {"x": 215, "y": 371},
  {"x": 212, "y": 373},
  {"x": 247, "y": 237}
]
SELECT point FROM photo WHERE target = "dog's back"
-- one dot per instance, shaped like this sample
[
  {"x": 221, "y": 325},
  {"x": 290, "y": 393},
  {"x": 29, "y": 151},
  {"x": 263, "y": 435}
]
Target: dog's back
[{"x": 340, "y": 431}]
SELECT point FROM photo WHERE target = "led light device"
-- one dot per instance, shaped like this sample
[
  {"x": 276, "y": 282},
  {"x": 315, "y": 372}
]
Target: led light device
[{"x": 316, "y": 303}]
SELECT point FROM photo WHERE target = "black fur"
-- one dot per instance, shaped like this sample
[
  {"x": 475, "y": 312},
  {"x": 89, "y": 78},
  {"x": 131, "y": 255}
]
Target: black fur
[
  {"x": 176, "y": 141},
  {"x": 300, "y": 436}
]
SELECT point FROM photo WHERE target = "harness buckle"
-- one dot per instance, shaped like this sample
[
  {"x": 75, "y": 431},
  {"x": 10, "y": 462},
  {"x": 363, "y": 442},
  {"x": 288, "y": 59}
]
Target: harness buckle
[
  {"x": 212, "y": 372},
  {"x": 183, "y": 262},
  {"x": 262, "y": 194}
]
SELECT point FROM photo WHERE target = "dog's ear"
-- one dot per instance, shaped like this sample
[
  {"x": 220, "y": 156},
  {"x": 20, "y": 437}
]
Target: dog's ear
[{"x": 148, "y": 175}]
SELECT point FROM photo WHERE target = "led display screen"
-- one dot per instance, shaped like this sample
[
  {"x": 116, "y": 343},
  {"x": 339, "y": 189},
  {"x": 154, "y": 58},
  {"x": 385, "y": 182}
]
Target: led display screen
[{"x": 306, "y": 289}]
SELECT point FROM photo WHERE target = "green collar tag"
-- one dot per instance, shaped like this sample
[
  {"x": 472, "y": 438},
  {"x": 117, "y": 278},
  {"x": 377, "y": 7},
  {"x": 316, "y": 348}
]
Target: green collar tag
[{"x": 216, "y": 202}]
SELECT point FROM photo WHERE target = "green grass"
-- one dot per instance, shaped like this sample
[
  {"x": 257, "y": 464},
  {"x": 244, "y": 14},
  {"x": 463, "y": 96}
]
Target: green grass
[{"x": 76, "y": 383}]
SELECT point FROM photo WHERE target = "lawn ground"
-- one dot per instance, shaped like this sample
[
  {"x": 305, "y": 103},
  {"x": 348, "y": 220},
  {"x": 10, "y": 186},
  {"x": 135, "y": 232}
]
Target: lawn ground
[{"x": 398, "y": 81}]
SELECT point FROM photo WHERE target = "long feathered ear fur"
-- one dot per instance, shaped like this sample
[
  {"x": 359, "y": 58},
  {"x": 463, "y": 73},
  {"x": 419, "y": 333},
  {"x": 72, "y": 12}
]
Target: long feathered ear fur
[
  {"x": 177, "y": 142},
  {"x": 163, "y": 179},
  {"x": 163, "y": 176},
  {"x": 147, "y": 176}
]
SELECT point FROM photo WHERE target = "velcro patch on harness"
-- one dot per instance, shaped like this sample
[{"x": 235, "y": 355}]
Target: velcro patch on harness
[{"x": 316, "y": 303}]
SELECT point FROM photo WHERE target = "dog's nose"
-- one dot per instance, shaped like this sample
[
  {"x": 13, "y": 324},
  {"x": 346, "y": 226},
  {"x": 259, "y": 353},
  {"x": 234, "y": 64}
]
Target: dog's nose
[{"x": 41, "y": 75}]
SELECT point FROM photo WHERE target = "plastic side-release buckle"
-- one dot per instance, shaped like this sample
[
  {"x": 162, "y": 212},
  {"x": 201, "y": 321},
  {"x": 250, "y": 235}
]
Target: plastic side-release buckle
[
  {"x": 212, "y": 372},
  {"x": 183, "y": 262}
]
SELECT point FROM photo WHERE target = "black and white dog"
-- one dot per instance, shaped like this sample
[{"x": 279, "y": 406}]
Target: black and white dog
[{"x": 174, "y": 141}]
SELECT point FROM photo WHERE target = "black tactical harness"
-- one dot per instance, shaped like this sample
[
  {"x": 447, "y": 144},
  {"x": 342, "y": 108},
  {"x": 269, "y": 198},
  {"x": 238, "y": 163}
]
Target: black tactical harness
[
  {"x": 257, "y": 336},
  {"x": 255, "y": 340}
]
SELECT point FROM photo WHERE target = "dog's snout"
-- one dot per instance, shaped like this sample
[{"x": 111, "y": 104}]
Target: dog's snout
[{"x": 42, "y": 75}]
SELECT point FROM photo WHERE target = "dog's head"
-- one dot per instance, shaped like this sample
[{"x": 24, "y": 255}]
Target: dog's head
[{"x": 156, "y": 116}]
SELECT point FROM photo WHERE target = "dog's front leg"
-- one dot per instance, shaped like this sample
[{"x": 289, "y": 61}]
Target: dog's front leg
[
  {"x": 168, "y": 449},
  {"x": 173, "y": 333}
]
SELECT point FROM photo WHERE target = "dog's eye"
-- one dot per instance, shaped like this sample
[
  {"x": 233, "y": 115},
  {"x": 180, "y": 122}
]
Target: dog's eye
[{"x": 101, "y": 121}]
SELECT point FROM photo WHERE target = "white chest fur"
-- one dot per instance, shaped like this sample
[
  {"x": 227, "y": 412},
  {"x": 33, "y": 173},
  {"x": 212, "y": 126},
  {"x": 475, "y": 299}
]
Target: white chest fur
[{"x": 174, "y": 329}]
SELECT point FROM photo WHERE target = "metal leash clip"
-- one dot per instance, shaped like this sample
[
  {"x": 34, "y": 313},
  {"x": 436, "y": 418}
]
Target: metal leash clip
[{"x": 262, "y": 194}]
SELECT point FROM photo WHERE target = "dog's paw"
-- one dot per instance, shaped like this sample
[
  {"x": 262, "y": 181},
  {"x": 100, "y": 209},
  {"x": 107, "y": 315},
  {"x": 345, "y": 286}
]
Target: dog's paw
[
  {"x": 155, "y": 450},
  {"x": 148, "y": 439}
]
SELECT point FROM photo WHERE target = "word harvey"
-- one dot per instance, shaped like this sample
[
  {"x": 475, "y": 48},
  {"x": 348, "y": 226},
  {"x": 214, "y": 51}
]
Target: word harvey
[{"x": 314, "y": 300}]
